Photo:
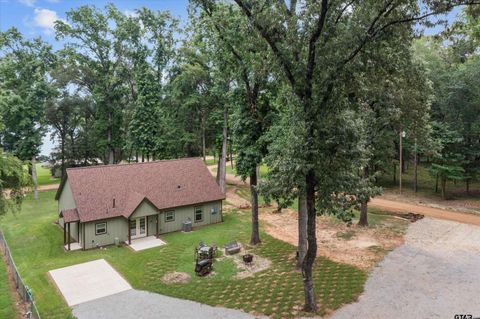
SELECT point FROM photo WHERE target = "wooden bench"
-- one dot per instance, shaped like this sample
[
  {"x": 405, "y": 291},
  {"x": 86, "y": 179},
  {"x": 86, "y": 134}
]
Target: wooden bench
[{"x": 232, "y": 248}]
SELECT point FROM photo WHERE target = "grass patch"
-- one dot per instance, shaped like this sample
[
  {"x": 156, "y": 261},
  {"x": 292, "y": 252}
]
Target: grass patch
[
  {"x": 263, "y": 169},
  {"x": 426, "y": 184},
  {"x": 346, "y": 235},
  {"x": 7, "y": 300},
  {"x": 36, "y": 244},
  {"x": 211, "y": 161},
  {"x": 45, "y": 176}
]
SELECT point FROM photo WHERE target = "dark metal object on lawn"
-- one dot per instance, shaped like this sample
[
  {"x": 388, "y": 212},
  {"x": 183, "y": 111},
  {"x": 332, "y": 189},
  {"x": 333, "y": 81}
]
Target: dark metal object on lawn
[
  {"x": 203, "y": 267},
  {"x": 187, "y": 226},
  {"x": 248, "y": 259},
  {"x": 232, "y": 248},
  {"x": 205, "y": 252}
]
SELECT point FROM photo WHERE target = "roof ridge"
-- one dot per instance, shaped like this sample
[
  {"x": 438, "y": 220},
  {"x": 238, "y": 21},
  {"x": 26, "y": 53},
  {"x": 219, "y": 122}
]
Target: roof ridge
[{"x": 125, "y": 164}]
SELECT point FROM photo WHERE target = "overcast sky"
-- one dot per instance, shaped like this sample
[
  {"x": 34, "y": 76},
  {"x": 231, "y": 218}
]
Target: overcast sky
[{"x": 36, "y": 18}]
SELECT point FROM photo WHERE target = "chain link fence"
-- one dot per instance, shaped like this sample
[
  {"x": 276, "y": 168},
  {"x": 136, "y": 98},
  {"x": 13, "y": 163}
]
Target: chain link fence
[{"x": 24, "y": 291}]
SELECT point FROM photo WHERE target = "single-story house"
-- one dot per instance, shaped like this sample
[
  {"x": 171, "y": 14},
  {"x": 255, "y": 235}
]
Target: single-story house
[{"x": 99, "y": 205}]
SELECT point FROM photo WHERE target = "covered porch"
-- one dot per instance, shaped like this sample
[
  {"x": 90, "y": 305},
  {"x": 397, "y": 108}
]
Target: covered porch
[{"x": 70, "y": 216}]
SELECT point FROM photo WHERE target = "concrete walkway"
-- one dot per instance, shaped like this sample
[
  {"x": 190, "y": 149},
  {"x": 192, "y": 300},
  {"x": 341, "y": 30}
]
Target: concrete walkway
[
  {"x": 135, "y": 304},
  {"x": 435, "y": 274}
]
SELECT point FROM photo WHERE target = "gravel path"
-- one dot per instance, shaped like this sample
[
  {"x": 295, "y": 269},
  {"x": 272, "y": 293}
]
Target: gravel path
[
  {"x": 136, "y": 304},
  {"x": 435, "y": 274}
]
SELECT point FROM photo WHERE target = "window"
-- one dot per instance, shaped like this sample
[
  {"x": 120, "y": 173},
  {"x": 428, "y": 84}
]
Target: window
[
  {"x": 100, "y": 228},
  {"x": 198, "y": 214},
  {"x": 169, "y": 216},
  {"x": 215, "y": 210}
]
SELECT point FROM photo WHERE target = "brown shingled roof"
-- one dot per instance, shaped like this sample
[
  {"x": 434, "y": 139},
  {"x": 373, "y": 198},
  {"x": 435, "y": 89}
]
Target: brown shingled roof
[
  {"x": 69, "y": 215},
  {"x": 166, "y": 184}
]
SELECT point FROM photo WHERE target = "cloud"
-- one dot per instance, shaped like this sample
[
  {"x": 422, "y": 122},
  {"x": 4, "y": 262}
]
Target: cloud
[
  {"x": 45, "y": 19},
  {"x": 131, "y": 13},
  {"x": 53, "y": 1},
  {"x": 29, "y": 3}
]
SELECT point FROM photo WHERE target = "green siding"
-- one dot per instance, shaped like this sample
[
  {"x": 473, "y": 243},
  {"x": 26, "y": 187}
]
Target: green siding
[
  {"x": 66, "y": 201},
  {"x": 152, "y": 225},
  {"x": 116, "y": 227},
  {"x": 144, "y": 209},
  {"x": 184, "y": 213}
]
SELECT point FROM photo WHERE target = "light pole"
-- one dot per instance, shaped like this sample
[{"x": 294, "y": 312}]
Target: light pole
[{"x": 402, "y": 135}]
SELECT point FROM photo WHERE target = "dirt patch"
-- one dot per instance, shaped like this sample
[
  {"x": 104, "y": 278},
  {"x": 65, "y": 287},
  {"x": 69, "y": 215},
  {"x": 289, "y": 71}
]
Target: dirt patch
[
  {"x": 354, "y": 245},
  {"x": 258, "y": 264},
  {"x": 405, "y": 207},
  {"x": 463, "y": 205},
  {"x": 176, "y": 278},
  {"x": 237, "y": 200}
]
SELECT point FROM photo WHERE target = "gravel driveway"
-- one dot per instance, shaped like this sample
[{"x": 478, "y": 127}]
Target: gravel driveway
[
  {"x": 136, "y": 304},
  {"x": 435, "y": 274}
]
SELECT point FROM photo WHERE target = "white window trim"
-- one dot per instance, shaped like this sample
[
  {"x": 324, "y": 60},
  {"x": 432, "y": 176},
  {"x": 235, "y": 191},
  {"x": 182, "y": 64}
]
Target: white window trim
[
  {"x": 96, "y": 228},
  {"x": 173, "y": 216}
]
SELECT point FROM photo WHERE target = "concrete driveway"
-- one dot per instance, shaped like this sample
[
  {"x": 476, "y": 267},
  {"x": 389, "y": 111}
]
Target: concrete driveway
[
  {"x": 435, "y": 274},
  {"x": 88, "y": 281},
  {"x": 135, "y": 304}
]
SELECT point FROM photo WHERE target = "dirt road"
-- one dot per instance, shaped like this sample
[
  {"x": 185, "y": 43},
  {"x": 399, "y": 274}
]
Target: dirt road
[{"x": 394, "y": 206}]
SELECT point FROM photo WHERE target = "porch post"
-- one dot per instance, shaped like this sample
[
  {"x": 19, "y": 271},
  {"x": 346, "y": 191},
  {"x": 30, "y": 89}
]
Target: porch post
[
  {"x": 64, "y": 233},
  {"x": 69, "y": 236},
  {"x": 129, "y": 233},
  {"x": 158, "y": 221}
]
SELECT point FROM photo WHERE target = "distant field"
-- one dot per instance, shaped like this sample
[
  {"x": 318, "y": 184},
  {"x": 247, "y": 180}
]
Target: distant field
[{"x": 44, "y": 176}]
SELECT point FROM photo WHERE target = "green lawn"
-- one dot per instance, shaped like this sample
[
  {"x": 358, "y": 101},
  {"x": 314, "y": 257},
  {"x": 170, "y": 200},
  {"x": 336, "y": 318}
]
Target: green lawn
[
  {"x": 211, "y": 161},
  {"x": 263, "y": 169},
  {"x": 426, "y": 184},
  {"x": 44, "y": 176},
  {"x": 36, "y": 244},
  {"x": 7, "y": 300}
]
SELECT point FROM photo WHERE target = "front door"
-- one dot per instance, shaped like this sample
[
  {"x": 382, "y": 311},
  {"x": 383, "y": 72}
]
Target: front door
[{"x": 138, "y": 227}]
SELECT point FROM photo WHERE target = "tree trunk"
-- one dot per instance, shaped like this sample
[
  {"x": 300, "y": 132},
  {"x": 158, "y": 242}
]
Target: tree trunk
[
  {"x": 34, "y": 178},
  {"x": 231, "y": 153},
  {"x": 467, "y": 185},
  {"x": 255, "y": 238},
  {"x": 111, "y": 159},
  {"x": 62, "y": 141},
  {"x": 222, "y": 163},
  {"x": 204, "y": 155},
  {"x": 302, "y": 230},
  {"x": 130, "y": 155},
  {"x": 436, "y": 183},
  {"x": 444, "y": 188},
  {"x": 307, "y": 267},
  {"x": 363, "y": 221},
  {"x": 394, "y": 174},
  {"x": 415, "y": 168}
]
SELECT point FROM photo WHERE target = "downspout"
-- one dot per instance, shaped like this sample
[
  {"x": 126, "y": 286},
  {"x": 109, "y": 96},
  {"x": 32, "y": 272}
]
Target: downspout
[
  {"x": 129, "y": 233},
  {"x": 83, "y": 231}
]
